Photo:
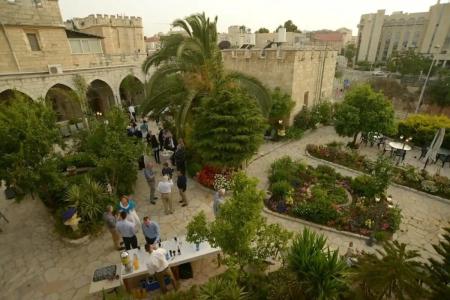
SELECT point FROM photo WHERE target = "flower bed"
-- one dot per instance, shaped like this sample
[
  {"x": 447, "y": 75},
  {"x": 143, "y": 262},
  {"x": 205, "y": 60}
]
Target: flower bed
[
  {"x": 408, "y": 176},
  {"x": 214, "y": 178},
  {"x": 323, "y": 196}
]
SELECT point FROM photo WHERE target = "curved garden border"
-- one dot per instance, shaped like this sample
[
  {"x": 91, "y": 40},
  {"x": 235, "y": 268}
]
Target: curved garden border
[
  {"x": 434, "y": 197},
  {"x": 315, "y": 225}
]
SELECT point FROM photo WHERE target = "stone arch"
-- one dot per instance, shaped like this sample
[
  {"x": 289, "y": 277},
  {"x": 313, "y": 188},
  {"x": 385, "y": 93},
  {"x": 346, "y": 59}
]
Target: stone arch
[
  {"x": 9, "y": 94},
  {"x": 64, "y": 102},
  {"x": 100, "y": 96},
  {"x": 131, "y": 90}
]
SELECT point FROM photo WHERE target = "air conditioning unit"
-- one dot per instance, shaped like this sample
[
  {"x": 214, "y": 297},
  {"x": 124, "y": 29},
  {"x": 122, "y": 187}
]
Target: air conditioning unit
[{"x": 55, "y": 69}]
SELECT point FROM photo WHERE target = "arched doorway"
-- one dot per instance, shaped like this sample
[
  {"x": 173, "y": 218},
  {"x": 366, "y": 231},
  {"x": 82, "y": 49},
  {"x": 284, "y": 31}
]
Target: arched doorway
[
  {"x": 100, "y": 96},
  {"x": 11, "y": 94},
  {"x": 131, "y": 91},
  {"x": 64, "y": 102},
  {"x": 306, "y": 99}
]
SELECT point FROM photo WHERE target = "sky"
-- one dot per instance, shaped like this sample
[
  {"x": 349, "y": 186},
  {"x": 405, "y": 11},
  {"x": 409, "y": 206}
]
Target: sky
[{"x": 307, "y": 15}]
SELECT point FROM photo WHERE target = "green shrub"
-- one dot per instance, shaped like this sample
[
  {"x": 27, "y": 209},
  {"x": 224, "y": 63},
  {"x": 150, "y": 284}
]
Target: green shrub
[
  {"x": 422, "y": 129},
  {"x": 193, "y": 168},
  {"x": 381, "y": 236},
  {"x": 304, "y": 119},
  {"x": 317, "y": 211},
  {"x": 280, "y": 189},
  {"x": 324, "y": 112},
  {"x": 394, "y": 217},
  {"x": 79, "y": 160},
  {"x": 282, "y": 169},
  {"x": 294, "y": 133},
  {"x": 365, "y": 186}
]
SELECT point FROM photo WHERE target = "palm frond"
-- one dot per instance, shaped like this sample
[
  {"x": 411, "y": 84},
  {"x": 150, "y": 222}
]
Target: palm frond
[{"x": 254, "y": 88}]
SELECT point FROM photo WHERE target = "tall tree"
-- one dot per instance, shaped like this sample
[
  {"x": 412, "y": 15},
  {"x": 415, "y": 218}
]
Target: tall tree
[
  {"x": 290, "y": 27},
  {"x": 262, "y": 30},
  {"x": 350, "y": 52},
  {"x": 392, "y": 273},
  {"x": 195, "y": 59},
  {"x": 364, "y": 110},
  {"x": 320, "y": 272},
  {"x": 440, "y": 92},
  {"x": 408, "y": 63},
  {"x": 228, "y": 128},
  {"x": 28, "y": 133},
  {"x": 439, "y": 269}
]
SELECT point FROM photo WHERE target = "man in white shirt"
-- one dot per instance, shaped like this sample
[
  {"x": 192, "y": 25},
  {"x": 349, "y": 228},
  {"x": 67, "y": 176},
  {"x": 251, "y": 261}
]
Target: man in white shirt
[
  {"x": 132, "y": 112},
  {"x": 165, "y": 188},
  {"x": 158, "y": 265}
]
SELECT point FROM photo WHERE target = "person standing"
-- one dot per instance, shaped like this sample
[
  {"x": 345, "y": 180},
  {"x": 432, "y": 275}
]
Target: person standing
[
  {"x": 158, "y": 265},
  {"x": 219, "y": 199},
  {"x": 153, "y": 141},
  {"x": 132, "y": 112},
  {"x": 127, "y": 205},
  {"x": 110, "y": 222},
  {"x": 150, "y": 230},
  {"x": 161, "y": 138},
  {"x": 165, "y": 188},
  {"x": 150, "y": 176},
  {"x": 144, "y": 128},
  {"x": 182, "y": 185},
  {"x": 179, "y": 158},
  {"x": 127, "y": 230}
]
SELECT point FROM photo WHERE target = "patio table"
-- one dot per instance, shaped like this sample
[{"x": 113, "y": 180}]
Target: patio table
[{"x": 397, "y": 145}]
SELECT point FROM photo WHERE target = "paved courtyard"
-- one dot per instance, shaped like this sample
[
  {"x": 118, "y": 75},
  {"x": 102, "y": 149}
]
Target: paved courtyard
[{"x": 36, "y": 264}]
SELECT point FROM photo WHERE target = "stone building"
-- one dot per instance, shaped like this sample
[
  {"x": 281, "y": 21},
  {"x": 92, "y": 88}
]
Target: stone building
[
  {"x": 40, "y": 55},
  {"x": 305, "y": 74},
  {"x": 379, "y": 35}
]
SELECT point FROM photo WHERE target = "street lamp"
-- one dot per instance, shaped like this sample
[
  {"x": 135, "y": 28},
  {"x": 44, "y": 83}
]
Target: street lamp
[{"x": 426, "y": 81}]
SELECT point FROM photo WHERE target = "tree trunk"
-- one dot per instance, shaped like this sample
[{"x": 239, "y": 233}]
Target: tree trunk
[{"x": 354, "y": 138}]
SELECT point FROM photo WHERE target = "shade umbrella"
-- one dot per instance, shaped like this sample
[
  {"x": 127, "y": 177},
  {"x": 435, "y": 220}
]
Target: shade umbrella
[{"x": 434, "y": 147}]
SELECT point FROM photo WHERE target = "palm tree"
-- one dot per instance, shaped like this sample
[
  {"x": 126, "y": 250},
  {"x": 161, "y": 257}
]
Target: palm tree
[
  {"x": 439, "y": 269},
  {"x": 394, "y": 272},
  {"x": 189, "y": 66},
  {"x": 320, "y": 272}
]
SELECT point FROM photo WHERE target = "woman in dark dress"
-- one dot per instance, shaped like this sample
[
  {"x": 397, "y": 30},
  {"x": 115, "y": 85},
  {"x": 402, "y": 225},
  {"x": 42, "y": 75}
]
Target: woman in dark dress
[{"x": 153, "y": 142}]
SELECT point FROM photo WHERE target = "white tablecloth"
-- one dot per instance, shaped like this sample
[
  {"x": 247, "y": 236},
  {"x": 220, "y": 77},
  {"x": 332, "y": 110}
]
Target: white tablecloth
[
  {"x": 397, "y": 145},
  {"x": 188, "y": 254}
]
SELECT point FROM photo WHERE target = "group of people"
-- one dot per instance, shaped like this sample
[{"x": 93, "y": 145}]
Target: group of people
[{"x": 123, "y": 223}]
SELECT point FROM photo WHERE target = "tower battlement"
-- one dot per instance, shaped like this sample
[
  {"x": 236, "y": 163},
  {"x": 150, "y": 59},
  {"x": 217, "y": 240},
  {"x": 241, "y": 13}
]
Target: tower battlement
[{"x": 106, "y": 20}]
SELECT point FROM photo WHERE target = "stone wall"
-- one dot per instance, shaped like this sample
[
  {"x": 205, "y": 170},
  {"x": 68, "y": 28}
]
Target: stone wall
[
  {"x": 27, "y": 12},
  {"x": 296, "y": 72}
]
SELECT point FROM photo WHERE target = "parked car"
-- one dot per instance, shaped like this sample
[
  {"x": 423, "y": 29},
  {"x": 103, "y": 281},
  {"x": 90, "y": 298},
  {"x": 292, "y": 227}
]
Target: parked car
[{"x": 379, "y": 74}]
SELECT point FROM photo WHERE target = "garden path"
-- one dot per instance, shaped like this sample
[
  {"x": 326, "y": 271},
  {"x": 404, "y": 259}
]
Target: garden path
[
  {"x": 423, "y": 216},
  {"x": 36, "y": 264}
]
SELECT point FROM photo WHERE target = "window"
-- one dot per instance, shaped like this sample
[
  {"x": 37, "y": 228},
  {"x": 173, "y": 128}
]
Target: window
[
  {"x": 33, "y": 41},
  {"x": 84, "y": 46}
]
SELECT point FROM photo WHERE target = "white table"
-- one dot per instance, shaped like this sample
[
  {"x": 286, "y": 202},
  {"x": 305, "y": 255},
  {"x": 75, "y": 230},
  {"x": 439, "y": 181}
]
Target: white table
[
  {"x": 188, "y": 254},
  {"x": 397, "y": 145}
]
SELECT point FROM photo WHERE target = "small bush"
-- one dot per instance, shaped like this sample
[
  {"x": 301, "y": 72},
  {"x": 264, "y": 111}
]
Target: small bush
[
  {"x": 79, "y": 160},
  {"x": 365, "y": 186},
  {"x": 316, "y": 211},
  {"x": 280, "y": 189},
  {"x": 193, "y": 168}
]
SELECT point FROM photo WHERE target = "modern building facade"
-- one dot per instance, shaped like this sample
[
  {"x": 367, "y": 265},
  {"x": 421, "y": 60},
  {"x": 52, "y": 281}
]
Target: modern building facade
[
  {"x": 379, "y": 35},
  {"x": 305, "y": 74},
  {"x": 40, "y": 54}
]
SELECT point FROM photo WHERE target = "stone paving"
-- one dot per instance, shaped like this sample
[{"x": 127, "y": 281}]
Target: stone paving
[{"x": 36, "y": 264}]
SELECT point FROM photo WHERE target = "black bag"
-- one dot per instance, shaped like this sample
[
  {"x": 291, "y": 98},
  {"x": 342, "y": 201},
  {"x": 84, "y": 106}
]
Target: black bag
[
  {"x": 186, "y": 271},
  {"x": 10, "y": 193}
]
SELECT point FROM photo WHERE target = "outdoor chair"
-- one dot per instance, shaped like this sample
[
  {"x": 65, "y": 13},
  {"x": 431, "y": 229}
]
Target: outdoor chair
[
  {"x": 444, "y": 159},
  {"x": 401, "y": 154},
  {"x": 387, "y": 148},
  {"x": 381, "y": 141},
  {"x": 423, "y": 152}
]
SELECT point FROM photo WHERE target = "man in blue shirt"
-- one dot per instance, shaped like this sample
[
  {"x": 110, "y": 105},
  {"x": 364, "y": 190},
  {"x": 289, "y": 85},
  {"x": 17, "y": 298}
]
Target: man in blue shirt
[{"x": 151, "y": 231}]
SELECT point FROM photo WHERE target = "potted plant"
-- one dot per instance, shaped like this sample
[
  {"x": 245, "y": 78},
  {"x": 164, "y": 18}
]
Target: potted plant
[{"x": 197, "y": 230}]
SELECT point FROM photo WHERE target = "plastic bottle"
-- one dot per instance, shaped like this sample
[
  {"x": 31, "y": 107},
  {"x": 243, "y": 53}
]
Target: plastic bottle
[{"x": 135, "y": 262}]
